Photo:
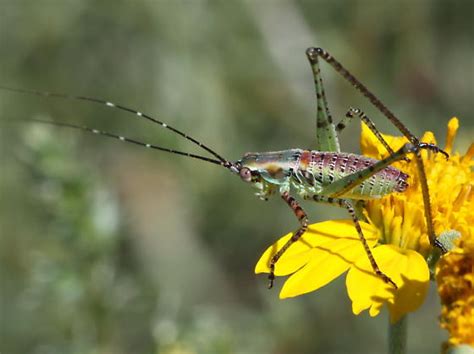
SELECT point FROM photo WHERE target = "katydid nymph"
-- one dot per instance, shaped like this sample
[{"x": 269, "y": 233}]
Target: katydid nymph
[{"x": 323, "y": 175}]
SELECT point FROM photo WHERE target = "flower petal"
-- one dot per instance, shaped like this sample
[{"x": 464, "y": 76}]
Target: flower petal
[
  {"x": 414, "y": 286},
  {"x": 297, "y": 256},
  {"x": 324, "y": 252},
  {"x": 453, "y": 126},
  {"x": 325, "y": 265},
  {"x": 407, "y": 268},
  {"x": 371, "y": 146}
]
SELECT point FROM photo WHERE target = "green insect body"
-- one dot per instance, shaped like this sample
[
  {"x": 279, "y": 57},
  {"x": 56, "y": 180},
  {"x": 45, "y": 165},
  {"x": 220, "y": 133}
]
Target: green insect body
[
  {"x": 311, "y": 172},
  {"x": 324, "y": 175}
]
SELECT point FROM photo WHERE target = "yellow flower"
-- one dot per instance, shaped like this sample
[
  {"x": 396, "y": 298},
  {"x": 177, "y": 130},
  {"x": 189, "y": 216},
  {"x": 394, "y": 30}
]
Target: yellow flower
[
  {"x": 400, "y": 216},
  {"x": 455, "y": 278},
  {"x": 395, "y": 228},
  {"x": 455, "y": 271}
]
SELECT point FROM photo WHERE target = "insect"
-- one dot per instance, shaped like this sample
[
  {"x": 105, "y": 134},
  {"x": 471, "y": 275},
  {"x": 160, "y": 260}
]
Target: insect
[{"x": 324, "y": 175}]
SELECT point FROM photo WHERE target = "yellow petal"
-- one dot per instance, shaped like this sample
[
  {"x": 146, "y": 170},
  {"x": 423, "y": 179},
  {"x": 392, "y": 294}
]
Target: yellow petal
[
  {"x": 415, "y": 284},
  {"x": 325, "y": 251},
  {"x": 453, "y": 127},
  {"x": 325, "y": 265},
  {"x": 469, "y": 153},
  {"x": 372, "y": 147},
  {"x": 297, "y": 255},
  {"x": 428, "y": 137},
  {"x": 368, "y": 142},
  {"x": 407, "y": 268}
]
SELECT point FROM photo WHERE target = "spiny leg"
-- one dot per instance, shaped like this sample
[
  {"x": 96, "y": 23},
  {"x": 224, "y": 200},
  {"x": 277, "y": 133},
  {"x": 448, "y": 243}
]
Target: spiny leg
[
  {"x": 427, "y": 203},
  {"x": 314, "y": 53},
  {"x": 346, "y": 203},
  {"x": 326, "y": 136},
  {"x": 420, "y": 169},
  {"x": 303, "y": 219},
  {"x": 345, "y": 184},
  {"x": 355, "y": 112}
]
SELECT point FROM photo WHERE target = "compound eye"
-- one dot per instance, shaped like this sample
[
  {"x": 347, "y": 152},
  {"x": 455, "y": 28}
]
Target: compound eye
[{"x": 245, "y": 174}]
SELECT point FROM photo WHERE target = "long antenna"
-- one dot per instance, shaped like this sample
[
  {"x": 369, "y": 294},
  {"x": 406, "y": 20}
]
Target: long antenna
[
  {"x": 129, "y": 140},
  {"x": 117, "y": 106}
]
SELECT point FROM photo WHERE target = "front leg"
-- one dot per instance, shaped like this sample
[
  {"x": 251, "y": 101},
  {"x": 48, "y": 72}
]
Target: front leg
[{"x": 303, "y": 219}]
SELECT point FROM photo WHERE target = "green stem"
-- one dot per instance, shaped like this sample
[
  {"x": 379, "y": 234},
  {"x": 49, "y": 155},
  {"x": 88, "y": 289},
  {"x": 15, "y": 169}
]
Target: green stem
[{"x": 397, "y": 336}]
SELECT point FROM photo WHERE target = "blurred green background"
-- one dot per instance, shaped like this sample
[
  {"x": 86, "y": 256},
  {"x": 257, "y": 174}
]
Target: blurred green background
[{"x": 109, "y": 248}]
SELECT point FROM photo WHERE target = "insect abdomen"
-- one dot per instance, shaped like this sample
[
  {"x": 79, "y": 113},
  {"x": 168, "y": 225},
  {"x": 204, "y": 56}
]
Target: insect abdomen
[{"x": 327, "y": 167}]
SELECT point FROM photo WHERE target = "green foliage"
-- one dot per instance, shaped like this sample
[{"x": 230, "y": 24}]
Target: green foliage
[{"x": 108, "y": 248}]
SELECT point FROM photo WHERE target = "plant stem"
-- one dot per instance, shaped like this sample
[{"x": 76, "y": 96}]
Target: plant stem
[{"x": 397, "y": 336}]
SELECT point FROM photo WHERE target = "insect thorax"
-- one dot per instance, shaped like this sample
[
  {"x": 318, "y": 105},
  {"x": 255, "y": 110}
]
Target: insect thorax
[{"x": 310, "y": 171}]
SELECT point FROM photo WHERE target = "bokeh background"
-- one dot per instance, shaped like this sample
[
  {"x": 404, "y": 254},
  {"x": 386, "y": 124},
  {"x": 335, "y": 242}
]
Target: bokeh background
[{"x": 109, "y": 248}]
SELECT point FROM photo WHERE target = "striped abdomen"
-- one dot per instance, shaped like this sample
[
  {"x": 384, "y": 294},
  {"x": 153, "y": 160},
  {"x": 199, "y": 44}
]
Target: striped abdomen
[{"x": 326, "y": 167}]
